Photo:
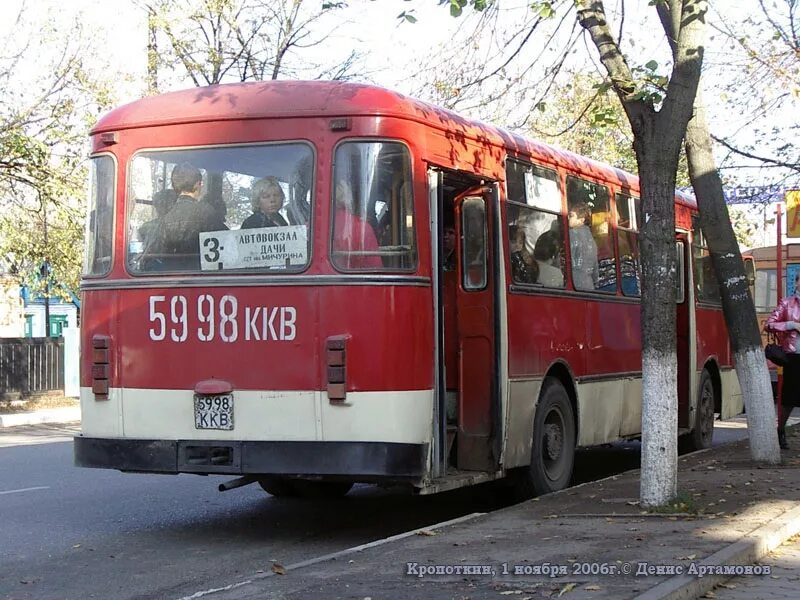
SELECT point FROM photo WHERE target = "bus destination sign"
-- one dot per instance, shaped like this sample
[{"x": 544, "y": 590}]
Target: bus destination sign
[{"x": 254, "y": 248}]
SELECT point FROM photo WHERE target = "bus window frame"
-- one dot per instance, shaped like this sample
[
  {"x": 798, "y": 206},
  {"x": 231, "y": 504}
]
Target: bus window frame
[
  {"x": 332, "y": 199},
  {"x": 114, "y": 207},
  {"x": 633, "y": 209},
  {"x": 680, "y": 291},
  {"x": 229, "y": 272}
]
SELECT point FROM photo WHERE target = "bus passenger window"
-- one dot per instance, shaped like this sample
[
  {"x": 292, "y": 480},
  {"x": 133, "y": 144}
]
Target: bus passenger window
[
  {"x": 373, "y": 208},
  {"x": 705, "y": 278},
  {"x": 534, "y": 207},
  {"x": 591, "y": 247}
]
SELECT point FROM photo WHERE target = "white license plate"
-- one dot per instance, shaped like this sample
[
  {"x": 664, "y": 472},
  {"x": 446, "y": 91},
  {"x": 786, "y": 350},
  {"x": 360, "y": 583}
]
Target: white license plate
[{"x": 213, "y": 412}]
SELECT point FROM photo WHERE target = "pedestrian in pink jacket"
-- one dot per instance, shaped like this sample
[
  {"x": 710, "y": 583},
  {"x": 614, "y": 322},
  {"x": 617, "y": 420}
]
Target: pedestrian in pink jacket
[{"x": 786, "y": 319}]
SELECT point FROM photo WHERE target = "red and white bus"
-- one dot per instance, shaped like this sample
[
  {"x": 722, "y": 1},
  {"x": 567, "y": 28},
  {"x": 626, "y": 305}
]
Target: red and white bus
[{"x": 339, "y": 340}]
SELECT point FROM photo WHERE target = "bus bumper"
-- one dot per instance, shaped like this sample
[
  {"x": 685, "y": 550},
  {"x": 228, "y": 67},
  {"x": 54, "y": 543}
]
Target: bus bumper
[{"x": 356, "y": 460}]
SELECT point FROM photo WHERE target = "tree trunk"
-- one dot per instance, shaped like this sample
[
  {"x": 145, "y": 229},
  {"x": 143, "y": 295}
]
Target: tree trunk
[
  {"x": 658, "y": 136},
  {"x": 737, "y": 304},
  {"x": 659, "y": 472}
]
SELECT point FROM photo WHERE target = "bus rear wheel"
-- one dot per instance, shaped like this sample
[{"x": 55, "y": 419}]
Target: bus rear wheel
[
  {"x": 552, "y": 447},
  {"x": 280, "y": 487},
  {"x": 702, "y": 433},
  {"x": 285, "y": 487},
  {"x": 307, "y": 488}
]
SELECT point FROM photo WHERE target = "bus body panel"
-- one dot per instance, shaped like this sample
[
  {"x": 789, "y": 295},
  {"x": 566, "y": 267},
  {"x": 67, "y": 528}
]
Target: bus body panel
[{"x": 258, "y": 338}]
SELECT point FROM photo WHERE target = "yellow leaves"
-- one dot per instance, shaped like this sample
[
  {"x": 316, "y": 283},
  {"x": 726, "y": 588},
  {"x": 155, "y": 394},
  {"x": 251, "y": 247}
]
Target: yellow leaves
[{"x": 566, "y": 589}]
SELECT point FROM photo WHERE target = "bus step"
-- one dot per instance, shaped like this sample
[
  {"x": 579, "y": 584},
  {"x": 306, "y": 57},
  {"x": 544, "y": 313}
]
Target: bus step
[{"x": 456, "y": 479}]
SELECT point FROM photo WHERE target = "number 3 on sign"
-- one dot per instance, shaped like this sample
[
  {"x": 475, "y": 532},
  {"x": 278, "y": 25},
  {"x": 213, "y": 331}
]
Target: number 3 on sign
[{"x": 213, "y": 248}]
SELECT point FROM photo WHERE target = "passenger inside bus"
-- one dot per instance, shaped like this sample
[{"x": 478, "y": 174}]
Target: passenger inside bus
[
  {"x": 181, "y": 227},
  {"x": 449, "y": 283},
  {"x": 353, "y": 236},
  {"x": 268, "y": 199},
  {"x": 547, "y": 253},
  {"x": 524, "y": 268},
  {"x": 585, "y": 269},
  {"x": 449, "y": 246},
  {"x": 149, "y": 232}
]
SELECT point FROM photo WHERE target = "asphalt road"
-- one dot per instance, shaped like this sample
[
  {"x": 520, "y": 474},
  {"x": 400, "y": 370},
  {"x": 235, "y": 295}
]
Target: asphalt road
[{"x": 85, "y": 533}]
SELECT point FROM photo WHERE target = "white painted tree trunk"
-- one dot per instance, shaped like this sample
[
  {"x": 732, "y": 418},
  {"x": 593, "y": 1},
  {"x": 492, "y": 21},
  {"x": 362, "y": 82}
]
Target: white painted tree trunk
[
  {"x": 761, "y": 422},
  {"x": 659, "y": 475}
]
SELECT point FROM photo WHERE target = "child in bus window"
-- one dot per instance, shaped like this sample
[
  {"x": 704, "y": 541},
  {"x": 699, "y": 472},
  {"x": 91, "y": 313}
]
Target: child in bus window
[
  {"x": 523, "y": 268},
  {"x": 585, "y": 269},
  {"x": 268, "y": 199},
  {"x": 547, "y": 253}
]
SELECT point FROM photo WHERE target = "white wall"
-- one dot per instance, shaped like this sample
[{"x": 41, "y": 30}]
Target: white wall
[{"x": 38, "y": 328}]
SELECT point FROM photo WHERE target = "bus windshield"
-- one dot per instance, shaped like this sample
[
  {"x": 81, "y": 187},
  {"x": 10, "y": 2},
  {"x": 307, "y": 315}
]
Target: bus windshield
[{"x": 215, "y": 209}]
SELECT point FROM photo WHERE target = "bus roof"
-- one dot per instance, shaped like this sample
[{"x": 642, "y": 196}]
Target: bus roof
[{"x": 281, "y": 99}]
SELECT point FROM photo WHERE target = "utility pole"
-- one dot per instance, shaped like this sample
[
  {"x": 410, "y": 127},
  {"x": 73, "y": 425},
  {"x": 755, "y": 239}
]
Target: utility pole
[{"x": 46, "y": 271}]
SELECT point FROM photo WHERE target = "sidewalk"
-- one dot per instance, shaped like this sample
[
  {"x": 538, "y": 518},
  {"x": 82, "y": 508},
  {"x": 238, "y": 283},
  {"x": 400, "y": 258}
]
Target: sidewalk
[
  {"x": 594, "y": 537},
  {"x": 56, "y": 409}
]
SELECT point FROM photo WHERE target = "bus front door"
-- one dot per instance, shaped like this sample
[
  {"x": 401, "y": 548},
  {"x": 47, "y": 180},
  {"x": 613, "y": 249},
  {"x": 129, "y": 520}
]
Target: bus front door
[{"x": 475, "y": 330}]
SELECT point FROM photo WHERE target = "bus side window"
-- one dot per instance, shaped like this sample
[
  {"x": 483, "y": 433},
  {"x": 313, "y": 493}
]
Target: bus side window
[{"x": 591, "y": 246}]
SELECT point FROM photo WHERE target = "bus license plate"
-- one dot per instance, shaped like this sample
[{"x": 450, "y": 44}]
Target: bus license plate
[{"x": 213, "y": 412}]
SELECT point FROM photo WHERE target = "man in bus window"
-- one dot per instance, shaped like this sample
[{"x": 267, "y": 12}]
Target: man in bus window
[
  {"x": 180, "y": 229},
  {"x": 585, "y": 270}
]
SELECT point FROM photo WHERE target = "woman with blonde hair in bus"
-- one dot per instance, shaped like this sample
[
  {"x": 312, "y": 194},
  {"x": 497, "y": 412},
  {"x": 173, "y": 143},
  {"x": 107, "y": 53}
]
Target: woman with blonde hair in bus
[
  {"x": 268, "y": 199},
  {"x": 786, "y": 320}
]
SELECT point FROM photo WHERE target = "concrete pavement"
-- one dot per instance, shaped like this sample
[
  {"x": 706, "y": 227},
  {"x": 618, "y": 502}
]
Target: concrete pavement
[
  {"x": 591, "y": 541},
  {"x": 65, "y": 414}
]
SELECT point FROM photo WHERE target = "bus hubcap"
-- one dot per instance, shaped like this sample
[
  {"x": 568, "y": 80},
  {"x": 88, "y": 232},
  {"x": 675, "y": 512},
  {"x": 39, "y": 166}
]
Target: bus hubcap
[{"x": 553, "y": 436}]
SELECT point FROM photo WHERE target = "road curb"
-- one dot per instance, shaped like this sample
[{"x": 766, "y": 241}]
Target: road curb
[
  {"x": 68, "y": 414},
  {"x": 748, "y": 550}
]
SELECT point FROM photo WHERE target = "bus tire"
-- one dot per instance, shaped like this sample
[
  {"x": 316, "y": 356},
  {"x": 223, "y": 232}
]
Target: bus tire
[
  {"x": 307, "y": 488},
  {"x": 702, "y": 433},
  {"x": 552, "y": 445},
  {"x": 280, "y": 487}
]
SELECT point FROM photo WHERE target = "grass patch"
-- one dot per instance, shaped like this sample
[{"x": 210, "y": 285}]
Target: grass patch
[{"x": 682, "y": 503}]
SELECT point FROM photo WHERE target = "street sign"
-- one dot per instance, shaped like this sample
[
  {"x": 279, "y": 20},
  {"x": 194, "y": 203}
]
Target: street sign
[{"x": 792, "y": 213}]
